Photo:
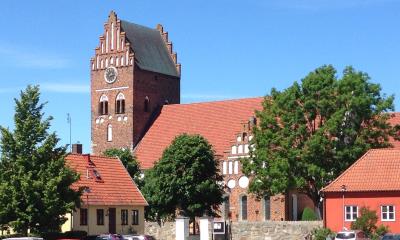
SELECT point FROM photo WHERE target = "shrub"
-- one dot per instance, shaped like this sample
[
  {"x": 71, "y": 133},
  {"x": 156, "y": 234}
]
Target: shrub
[
  {"x": 308, "y": 215},
  {"x": 366, "y": 222},
  {"x": 322, "y": 233}
]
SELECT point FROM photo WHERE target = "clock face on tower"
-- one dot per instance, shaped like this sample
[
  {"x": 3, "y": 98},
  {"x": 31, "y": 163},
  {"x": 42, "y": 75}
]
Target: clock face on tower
[{"x": 110, "y": 75}]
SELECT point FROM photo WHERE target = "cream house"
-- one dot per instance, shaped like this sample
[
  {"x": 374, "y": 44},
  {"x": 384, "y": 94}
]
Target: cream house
[{"x": 111, "y": 201}]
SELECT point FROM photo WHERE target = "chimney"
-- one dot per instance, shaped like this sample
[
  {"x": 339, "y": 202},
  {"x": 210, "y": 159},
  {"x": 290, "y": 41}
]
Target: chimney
[{"x": 77, "y": 148}]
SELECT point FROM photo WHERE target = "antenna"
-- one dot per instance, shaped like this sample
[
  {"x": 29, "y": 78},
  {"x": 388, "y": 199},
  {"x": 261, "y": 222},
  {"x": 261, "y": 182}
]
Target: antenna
[{"x": 69, "y": 121}]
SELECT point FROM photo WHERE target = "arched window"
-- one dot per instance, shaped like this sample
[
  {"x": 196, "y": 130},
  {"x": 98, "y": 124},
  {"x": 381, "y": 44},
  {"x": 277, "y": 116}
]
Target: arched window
[
  {"x": 243, "y": 208},
  {"x": 103, "y": 105},
  {"x": 267, "y": 207},
  {"x": 146, "y": 104},
  {"x": 109, "y": 133},
  {"x": 120, "y": 104}
]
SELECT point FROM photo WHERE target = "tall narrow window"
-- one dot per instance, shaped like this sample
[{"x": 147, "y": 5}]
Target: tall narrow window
[
  {"x": 83, "y": 216},
  {"x": 120, "y": 104},
  {"x": 236, "y": 167},
  {"x": 226, "y": 207},
  {"x": 109, "y": 133},
  {"x": 146, "y": 104},
  {"x": 243, "y": 208},
  {"x": 100, "y": 216},
  {"x": 267, "y": 208},
  {"x": 224, "y": 167},
  {"x": 103, "y": 105},
  {"x": 124, "y": 217},
  {"x": 135, "y": 217}
]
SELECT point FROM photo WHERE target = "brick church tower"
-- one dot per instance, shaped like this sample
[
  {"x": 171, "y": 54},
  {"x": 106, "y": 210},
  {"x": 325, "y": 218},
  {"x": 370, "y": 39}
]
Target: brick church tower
[{"x": 133, "y": 73}]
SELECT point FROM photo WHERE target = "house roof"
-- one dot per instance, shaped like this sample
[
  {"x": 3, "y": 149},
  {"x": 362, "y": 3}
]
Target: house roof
[
  {"x": 150, "y": 50},
  {"x": 218, "y": 122},
  {"x": 107, "y": 179},
  {"x": 377, "y": 170}
]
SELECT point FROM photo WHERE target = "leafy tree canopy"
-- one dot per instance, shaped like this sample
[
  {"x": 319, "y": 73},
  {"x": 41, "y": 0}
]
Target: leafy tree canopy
[
  {"x": 35, "y": 184},
  {"x": 129, "y": 161},
  {"x": 312, "y": 131},
  {"x": 185, "y": 178}
]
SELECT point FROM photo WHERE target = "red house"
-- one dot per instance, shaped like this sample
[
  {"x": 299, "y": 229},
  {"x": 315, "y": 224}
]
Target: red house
[{"x": 372, "y": 181}]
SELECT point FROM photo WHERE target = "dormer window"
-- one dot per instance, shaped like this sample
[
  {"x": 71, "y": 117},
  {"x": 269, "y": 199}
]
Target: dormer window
[
  {"x": 103, "y": 105},
  {"x": 120, "y": 104}
]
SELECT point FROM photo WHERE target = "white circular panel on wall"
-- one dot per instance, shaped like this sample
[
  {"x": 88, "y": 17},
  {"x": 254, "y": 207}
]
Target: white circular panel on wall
[
  {"x": 244, "y": 182},
  {"x": 231, "y": 183}
]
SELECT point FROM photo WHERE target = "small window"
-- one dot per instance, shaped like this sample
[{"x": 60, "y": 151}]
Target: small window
[
  {"x": 135, "y": 217},
  {"x": 267, "y": 208},
  {"x": 351, "y": 213},
  {"x": 103, "y": 105},
  {"x": 120, "y": 104},
  {"x": 100, "y": 216},
  {"x": 83, "y": 216},
  {"x": 226, "y": 207},
  {"x": 109, "y": 133},
  {"x": 243, "y": 208},
  {"x": 388, "y": 213},
  {"x": 230, "y": 167},
  {"x": 146, "y": 104},
  {"x": 124, "y": 217}
]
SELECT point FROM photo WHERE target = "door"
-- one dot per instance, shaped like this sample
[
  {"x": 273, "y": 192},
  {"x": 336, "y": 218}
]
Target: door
[{"x": 112, "y": 220}]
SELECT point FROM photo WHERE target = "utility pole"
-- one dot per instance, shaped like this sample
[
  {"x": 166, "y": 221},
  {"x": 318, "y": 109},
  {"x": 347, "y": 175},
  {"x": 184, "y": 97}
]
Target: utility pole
[{"x": 69, "y": 121}]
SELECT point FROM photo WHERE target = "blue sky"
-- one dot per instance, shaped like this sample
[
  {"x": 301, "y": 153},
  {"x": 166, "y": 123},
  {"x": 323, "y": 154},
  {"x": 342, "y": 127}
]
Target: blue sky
[{"x": 228, "y": 49}]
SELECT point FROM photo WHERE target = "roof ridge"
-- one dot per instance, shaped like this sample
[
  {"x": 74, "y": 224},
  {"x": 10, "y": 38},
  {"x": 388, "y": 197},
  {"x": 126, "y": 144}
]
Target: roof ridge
[
  {"x": 139, "y": 25},
  {"x": 91, "y": 155}
]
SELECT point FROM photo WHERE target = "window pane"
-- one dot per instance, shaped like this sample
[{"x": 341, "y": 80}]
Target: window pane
[
  {"x": 391, "y": 216},
  {"x": 384, "y": 208},
  {"x": 348, "y": 216},
  {"x": 244, "y": 207},
  {"x": 267, "y": 213},
  {"x": 391, "y": 208}
]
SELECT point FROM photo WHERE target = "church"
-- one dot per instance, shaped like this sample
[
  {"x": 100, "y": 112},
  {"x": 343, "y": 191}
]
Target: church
[{"x": 135, "y": 104}]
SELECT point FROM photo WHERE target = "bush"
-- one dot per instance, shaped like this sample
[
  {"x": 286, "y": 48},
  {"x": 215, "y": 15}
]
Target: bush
[
  {"x": 322, "y": 234},
  {"x": 308, "y": 215},
  {"x": 366, "y": 222}
]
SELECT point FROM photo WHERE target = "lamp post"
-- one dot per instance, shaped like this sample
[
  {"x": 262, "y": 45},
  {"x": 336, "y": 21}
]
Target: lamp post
[
  {"x": 343, "y": 188},
  {"x": 87, "y": 191}
]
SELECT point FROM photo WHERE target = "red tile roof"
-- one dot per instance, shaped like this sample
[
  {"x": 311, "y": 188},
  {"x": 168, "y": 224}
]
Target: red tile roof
[
  {"x": 218, "y": 122},
  {"x": 377, "y": 170},
  {"x": 113, "y": 186}
]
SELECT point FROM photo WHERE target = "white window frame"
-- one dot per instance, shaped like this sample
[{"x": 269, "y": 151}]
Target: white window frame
[
  {"x": 351, "y": 219},
  {"x": 387, "y": 212},
  {"x": 109, "y": 133}
]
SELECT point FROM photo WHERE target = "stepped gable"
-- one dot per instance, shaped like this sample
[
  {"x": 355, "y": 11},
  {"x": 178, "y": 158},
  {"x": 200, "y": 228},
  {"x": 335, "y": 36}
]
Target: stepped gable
[
  {"x": 217, "y": 121},
  {"x": 107, "y": 179},
  {"x": 377, "y": 170},
  {"x": 153, "y": 52}
]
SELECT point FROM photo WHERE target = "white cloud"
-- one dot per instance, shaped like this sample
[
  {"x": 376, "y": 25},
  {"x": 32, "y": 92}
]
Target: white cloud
[{"x": 28, "y": 58}]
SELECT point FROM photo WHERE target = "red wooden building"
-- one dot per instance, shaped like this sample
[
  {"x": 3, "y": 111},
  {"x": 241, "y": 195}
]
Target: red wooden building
[{"x": 372, "y": 181}]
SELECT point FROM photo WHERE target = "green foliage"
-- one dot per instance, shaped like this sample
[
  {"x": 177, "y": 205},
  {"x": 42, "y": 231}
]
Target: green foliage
[
  {"x": 308, "y": 215},
  {"x": 312, "y": 131},
  {"x": 366, "y": 222},
  {"x": 322, "y": 234},
  {"x": 35, "y": 184},
  {"x": 184, "y": 179},
  {"x": 381, "y": 230},
  {"x": 129, "y": 161}
]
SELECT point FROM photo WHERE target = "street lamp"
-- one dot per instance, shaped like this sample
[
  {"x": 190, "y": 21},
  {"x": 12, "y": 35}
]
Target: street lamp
[
  {"x": 343, "y": 188},
  {"x": 87, "y": 191}
]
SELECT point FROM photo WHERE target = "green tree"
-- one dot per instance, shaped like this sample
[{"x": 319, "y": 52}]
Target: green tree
[
  {"x": 312, "y": 131},
  {"x": 35, "y": 184},
  {"x": 129, "y": 161},
  {"x": 367, "y": 223},
  {"x": 184, "y": 180}
]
